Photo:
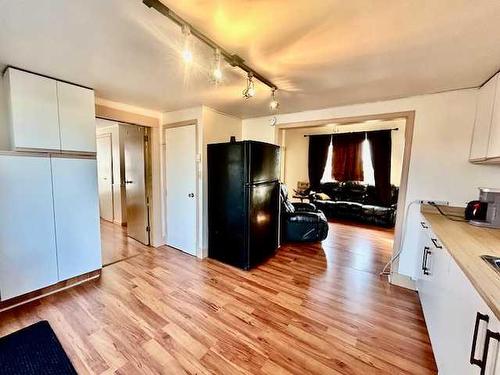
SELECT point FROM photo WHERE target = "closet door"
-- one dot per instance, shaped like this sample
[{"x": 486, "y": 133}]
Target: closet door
[
  {"x": 33, "y": 111},
  {"x": 76, "y": 209},
  {"x": 27, "y": 238},
  {"x": 76, "y": 118}
]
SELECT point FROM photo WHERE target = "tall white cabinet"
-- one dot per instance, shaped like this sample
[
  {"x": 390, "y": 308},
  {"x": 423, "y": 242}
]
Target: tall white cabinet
[
  {"x": 49, "y": 212},
  {"x": 28, "y": 257},
  {"x": 76, "y": 216},
  {"x": 46, "y": 114}
]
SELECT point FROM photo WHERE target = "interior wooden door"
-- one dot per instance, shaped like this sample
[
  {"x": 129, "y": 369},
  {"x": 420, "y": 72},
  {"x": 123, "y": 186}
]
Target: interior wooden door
[
  {"x": 105, "y": 176},
  {"x": 135, "y": 183},
  {"x": 181, "y": 196}
]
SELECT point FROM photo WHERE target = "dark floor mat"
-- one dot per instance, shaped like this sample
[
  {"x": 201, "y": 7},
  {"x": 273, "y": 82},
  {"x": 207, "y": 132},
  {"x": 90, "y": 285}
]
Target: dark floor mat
[{"x": 34, "y": 350}]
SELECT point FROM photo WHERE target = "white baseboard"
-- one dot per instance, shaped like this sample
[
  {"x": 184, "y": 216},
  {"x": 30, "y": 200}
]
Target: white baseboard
[{"x": 402, "y": 281}]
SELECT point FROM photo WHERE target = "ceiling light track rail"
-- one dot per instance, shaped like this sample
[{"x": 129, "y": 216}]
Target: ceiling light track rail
[{"x": 232, "y": 59}]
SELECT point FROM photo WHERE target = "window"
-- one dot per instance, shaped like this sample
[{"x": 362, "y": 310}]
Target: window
[{"x": 368, "y": 174}]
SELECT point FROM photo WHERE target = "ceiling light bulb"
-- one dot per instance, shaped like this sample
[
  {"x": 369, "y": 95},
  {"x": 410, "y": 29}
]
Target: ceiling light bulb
[
  {"x": 274, "y": 104},
  {"x": 249, "y": 91},
  {"x": 187, "y": 55},
  {"x": 217, "y": 71}
]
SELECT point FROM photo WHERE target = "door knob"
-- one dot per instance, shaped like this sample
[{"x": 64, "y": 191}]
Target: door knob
[
  {"x": 128, "y": 182},
  {"x": 191, "y": 195}
]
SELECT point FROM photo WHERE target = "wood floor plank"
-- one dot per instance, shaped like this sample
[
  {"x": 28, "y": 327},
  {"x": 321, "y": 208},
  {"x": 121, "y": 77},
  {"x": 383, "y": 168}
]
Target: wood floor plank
[{"x": 311, "y": 309}]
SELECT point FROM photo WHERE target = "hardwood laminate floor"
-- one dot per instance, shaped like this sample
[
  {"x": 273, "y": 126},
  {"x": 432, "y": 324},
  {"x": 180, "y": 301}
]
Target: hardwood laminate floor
[
  {"x": 311, "y": 309},
  {"x": 115, "y": 243}
]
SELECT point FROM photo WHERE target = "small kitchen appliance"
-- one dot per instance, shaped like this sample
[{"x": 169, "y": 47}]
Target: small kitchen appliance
[{"x": 485, "y": 212}]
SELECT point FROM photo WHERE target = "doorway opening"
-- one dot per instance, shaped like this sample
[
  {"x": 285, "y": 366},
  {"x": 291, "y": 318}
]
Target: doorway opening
[
  {"x": 124, "y": 181},
  {"x": 353, "y": 202}
]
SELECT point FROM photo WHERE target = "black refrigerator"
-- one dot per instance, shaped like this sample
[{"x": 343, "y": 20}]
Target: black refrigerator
[{"x": 243, "y": 202}]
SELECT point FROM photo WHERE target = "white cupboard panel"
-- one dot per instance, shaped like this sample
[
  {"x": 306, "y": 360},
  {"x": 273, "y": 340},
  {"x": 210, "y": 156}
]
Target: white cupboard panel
[
  {"x": 27, "y": 237},
  {"x": 76, "y": 209},
  {"x": 494, "y": 134},
  {"x": 484, "y": 113},
  {"x": 76, "y": 118},
  {"x": 33, "y": 110}
]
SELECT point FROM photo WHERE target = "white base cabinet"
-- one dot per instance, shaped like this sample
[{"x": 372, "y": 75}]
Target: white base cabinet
[
  {"x": 28, "y": 258},
  {"x": 49, "y": 221},
  {"x": 452, "y": 310}
]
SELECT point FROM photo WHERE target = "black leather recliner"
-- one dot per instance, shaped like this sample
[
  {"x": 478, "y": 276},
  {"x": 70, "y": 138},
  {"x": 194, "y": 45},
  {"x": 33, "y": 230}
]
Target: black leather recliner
[{"x": 301, "y": 222}]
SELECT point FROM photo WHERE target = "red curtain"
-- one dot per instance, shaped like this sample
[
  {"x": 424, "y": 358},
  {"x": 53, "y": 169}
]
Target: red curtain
[{"x": 347, "y": 161}]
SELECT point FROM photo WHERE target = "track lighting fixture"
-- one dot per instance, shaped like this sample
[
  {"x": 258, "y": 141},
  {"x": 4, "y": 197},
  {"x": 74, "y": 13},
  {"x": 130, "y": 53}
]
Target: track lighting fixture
[
  {"x": 249, "y": 91},
  {"x": 274, "y": 104},
  {"x": 217, "y": 71},
  {"x": 221, "y": 54},
  {"x": 187, "y": 55}
]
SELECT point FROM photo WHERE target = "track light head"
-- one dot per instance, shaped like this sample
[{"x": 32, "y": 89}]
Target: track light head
[
  {"x": 249, "y": 91},
  {"x": 187, "y": 55},
  {"x": 274, "y": 104},
  {"x": 217, "y": 70}
]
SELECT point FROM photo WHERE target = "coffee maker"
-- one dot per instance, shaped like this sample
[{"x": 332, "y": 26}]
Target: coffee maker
[{"x": 489, "y": 200}]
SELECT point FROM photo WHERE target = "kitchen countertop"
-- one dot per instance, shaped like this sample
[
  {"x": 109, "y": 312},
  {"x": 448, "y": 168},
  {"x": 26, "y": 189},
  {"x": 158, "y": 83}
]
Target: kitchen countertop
[{"x": 466, "y": 243}]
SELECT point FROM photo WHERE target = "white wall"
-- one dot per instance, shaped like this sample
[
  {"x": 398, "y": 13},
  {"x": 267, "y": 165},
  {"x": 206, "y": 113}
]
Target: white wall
[
  {"x": 217, "y": 127},
  {"x": 439, "y": 167},
  {"x": 296, "y": 148},
  {"x": 213, "y": 127}
]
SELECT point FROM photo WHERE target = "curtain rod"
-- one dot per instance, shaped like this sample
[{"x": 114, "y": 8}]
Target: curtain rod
[{"x": 359, "y": 131}]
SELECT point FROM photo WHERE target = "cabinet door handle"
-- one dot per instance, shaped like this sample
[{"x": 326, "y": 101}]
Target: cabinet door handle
[
  {"x": 489, "y": 335},
  {"x": 434, "y": 241},
  {"x": 473, "y": 360},
  {"x": 424, "y": 259},
  {"x": 422, "y": 223},
  {"x": 427, "y": 269}
]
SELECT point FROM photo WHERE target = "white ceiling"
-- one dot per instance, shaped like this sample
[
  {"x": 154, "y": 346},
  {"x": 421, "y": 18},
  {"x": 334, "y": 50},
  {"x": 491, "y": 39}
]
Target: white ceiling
[{"x": 320, "y": 53}]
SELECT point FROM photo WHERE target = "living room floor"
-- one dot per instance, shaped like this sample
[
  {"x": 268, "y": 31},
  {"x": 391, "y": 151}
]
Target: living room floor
[{"x": 310, "y": 309}]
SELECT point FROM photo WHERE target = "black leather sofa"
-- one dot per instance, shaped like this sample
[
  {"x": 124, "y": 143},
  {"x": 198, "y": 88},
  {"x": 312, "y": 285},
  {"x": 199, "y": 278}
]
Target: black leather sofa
[
  {"x": 301, "y": 222},
  {"x": 355, "y": 201}
]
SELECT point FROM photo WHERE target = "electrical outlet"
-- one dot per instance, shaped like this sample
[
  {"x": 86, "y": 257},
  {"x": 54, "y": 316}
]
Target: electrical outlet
[{"x": 435, "y": 202}]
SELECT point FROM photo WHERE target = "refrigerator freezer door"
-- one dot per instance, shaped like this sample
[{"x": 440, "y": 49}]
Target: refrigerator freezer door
[
  {"x": 264, "y": 162},
  {"x": 263, "y": 221},
  {"x": 227, "y": 204}
]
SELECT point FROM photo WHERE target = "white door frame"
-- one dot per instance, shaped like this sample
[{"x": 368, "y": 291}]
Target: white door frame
[
  {"x": 110, "y": 135},
  {"x": 164, "y": 182}
]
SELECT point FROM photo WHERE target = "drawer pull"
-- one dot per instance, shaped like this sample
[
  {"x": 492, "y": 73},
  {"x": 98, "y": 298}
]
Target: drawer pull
[
  {"x": 489, "y": 335},
  {"x": 434, "y": 241},
  {"x": 473, "y": 360},
  {"x": 424, "y": 260},
  {"x": 422, "y": 223}
]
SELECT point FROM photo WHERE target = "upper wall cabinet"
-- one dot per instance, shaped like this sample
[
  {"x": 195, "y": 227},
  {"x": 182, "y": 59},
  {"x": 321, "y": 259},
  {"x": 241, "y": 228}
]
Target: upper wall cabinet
[
  {"x": 76, "y": 118},
  {"x": 33, "y": 110},
  {"x": 485, "y": 146},
  {"x": 48, "y": 114}
]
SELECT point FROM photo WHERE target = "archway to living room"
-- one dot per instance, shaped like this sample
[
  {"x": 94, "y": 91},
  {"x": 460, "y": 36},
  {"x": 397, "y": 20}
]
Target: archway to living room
[{"x": 355, "y": 170}]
